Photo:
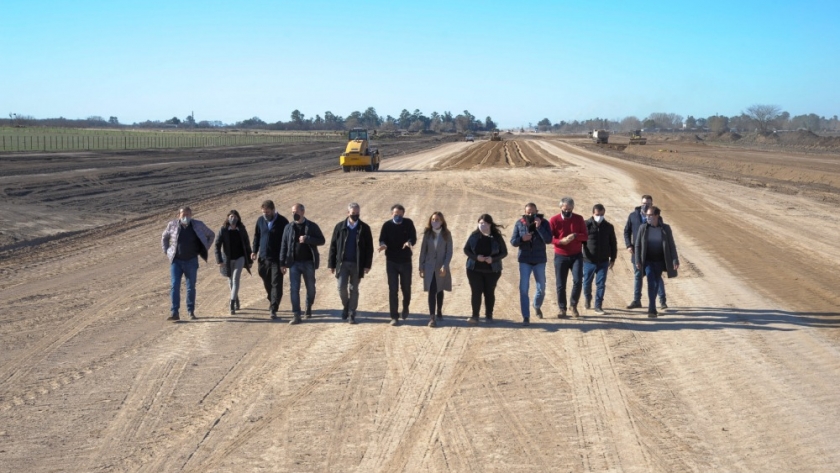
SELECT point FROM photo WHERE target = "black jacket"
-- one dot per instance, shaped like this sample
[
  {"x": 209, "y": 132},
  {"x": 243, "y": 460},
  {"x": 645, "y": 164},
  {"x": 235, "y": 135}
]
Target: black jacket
[
  {"x": 223, "y": 246},
  {"x": 364, "y": 247},
  {"x": 669, "y": 248},
  {"x": 631, "y": 228},
  {"x": 314, "y": 238},
  {"x": 267, "y": 243},
  {"x": 499, "y": 250},
  {"x": 602, "y": 245}
]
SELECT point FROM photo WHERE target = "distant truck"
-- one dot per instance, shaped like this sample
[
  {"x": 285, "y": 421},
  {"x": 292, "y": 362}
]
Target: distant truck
[{"x": 600, "y": 136}]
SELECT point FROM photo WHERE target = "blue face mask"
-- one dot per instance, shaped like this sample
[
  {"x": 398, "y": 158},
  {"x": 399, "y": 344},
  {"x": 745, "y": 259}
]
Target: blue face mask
[{"x": 398, "y": 219}]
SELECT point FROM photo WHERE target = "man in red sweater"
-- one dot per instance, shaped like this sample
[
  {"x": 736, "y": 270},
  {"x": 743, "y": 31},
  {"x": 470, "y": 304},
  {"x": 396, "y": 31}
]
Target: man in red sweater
[{"x": 568, "y": 234}]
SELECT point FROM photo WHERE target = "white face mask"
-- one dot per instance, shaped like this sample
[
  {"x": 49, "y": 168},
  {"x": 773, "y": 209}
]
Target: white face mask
[
  {"x": 598, "y": 218},
  {"x": 232, "y": 220},
  {"x": 185, "y": 220},
  {"x": 436, "y": 225},
  {"x": 484, "y": 228}
]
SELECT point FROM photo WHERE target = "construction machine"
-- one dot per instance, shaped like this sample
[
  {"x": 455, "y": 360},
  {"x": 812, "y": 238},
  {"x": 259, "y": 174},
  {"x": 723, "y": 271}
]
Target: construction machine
[
  {"x": 359, "y": 156},
  {"x": 495, "y": 136},
  {"x": 636, "y": 138},
  {"x": 600, "y": 136}
]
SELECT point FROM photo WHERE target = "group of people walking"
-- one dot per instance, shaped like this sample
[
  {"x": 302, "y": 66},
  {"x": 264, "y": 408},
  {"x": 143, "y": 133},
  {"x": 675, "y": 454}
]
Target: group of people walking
[{"x": 586, "y": 249}]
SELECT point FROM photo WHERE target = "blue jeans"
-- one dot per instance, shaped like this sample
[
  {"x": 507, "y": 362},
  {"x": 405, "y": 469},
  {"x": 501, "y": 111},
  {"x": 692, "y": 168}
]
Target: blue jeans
[
  {"x": 562, "y": 266},
  {"x": 525, "y": 270},
  {"x": 639, "y": 275},
  {"x": 597, "y": 271},
  {"x": 653, "y": 271},
  {"x": 188, "y": 269},
  {"x": 307, "y": 270}
]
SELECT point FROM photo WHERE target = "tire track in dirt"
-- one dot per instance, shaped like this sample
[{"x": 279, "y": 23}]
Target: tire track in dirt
[
  {"x": 421, "y": 401},
  {"x": 215, "y": 458}
]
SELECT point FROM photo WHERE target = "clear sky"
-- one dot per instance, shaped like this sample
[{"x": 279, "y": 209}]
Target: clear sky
[{"x": 517, "y": 62}]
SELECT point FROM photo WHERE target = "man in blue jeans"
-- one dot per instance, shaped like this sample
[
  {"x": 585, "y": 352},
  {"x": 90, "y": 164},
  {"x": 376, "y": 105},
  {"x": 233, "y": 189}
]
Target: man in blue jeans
[
  {"x": 631, "y": 230},
  {"x": 183, "y": 241},
  {"x": 299, "y": 255},
  {"x": 599, "y": 255},
  {"x": 531, "y": 234},
  {"x": 568, "y": 233}
]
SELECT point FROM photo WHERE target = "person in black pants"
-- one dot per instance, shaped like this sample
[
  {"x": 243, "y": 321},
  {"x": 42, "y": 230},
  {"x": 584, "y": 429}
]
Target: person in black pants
[
  {"x": 397, "y": 238},
  {"x": 268, "y": 238},
  {"x": 485, "y": 250}
]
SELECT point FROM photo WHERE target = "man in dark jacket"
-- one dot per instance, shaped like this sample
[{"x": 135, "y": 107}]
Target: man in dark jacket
[
  {"x": 299, "y": 254},
  {"x": 599, "y": 255},
  {"x": 268, "y": 236},
  {"x": 631, "y": 229},
  {"x": 397, "y": 238},
  {"x": 656, "y": 252},
  {"x": 350, "y": 258},
  {"x": 531, "y": 234}
]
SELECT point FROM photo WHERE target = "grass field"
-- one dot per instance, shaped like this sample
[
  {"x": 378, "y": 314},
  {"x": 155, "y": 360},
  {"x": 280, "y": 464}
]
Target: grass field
[{"x": 66, "y": 139}]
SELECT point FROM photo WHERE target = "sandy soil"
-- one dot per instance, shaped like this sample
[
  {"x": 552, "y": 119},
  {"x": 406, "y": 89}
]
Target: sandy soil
[{"x": 741, "y": 373}]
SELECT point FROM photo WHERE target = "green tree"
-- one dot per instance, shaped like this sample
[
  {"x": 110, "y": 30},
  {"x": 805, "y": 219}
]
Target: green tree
[
  {"x": 718, "y": 124},
  {"x": 297, "y": 117}
]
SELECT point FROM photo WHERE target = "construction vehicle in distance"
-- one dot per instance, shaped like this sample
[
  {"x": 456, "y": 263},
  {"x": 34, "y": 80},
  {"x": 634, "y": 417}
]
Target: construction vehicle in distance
[
  {"x": 600, "y": 136},
  {"x": 359, "y": 156},
  {"x": 495, "y": 136},
  {"x": 636, "y": 138}
]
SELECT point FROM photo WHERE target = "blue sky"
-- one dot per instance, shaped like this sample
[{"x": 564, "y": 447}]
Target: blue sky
[{"x": 517, "y": 62}]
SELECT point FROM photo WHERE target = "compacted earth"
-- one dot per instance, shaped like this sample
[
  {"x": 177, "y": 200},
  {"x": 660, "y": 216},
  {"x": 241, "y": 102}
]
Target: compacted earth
[{"x": 739, "y": 374}]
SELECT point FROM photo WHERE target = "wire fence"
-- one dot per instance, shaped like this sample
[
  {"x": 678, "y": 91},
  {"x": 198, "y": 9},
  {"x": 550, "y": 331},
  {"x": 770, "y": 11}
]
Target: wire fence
[{"x": 151, "y": 140}]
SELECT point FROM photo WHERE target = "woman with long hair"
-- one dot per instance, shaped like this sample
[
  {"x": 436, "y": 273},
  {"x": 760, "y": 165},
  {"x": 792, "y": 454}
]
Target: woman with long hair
[
  {"x": 485, "y": 250},
  {"x": 233, "y": 249},
  {"x": 435, "y": 256}
]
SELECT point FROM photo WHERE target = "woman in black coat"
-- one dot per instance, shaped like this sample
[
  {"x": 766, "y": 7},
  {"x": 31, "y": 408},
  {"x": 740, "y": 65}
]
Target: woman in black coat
[
  {"x": 233, "y": 251},
  {"x": 655, "y": 252},
  {"x": 485, "y": 249}
]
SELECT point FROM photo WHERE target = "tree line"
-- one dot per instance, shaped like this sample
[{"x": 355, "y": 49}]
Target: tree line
[
  {"x": 415, "y": 121},
  {"x": 760, "y": 118}
]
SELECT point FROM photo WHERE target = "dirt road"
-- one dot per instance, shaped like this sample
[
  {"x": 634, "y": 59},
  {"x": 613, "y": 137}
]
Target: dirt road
[{"x": 741, "y": 373}]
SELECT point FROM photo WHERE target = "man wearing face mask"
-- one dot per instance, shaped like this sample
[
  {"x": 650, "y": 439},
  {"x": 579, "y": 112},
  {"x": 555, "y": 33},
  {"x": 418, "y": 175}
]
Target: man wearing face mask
[
  {"x": 183, "y": 241},
  {"x": 599, "y": 254},
  {"x": 299, "y": 254},
  {"x": 350, "y": 258},
  {"x": 268, "y": 238},
  {"x": 631, "y": 230},
  {"x": 397, "y": 238},
  {"x": 568, "y": 233},
  {"x": 531, "y": 234}
]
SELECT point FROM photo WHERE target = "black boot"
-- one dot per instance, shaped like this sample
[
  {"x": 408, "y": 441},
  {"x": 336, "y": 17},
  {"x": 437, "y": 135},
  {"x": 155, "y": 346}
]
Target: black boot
[
  {"x": 237, "y": 303},
  {"x": 308, "y": 312},
  {"x": 232, "y": 307}
]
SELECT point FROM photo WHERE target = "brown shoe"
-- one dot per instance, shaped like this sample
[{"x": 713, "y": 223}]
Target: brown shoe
[
  {"x": 561, "y": 314},
  {"x": 575, "y": 312},
  {"x": 472, "y": 321}
]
